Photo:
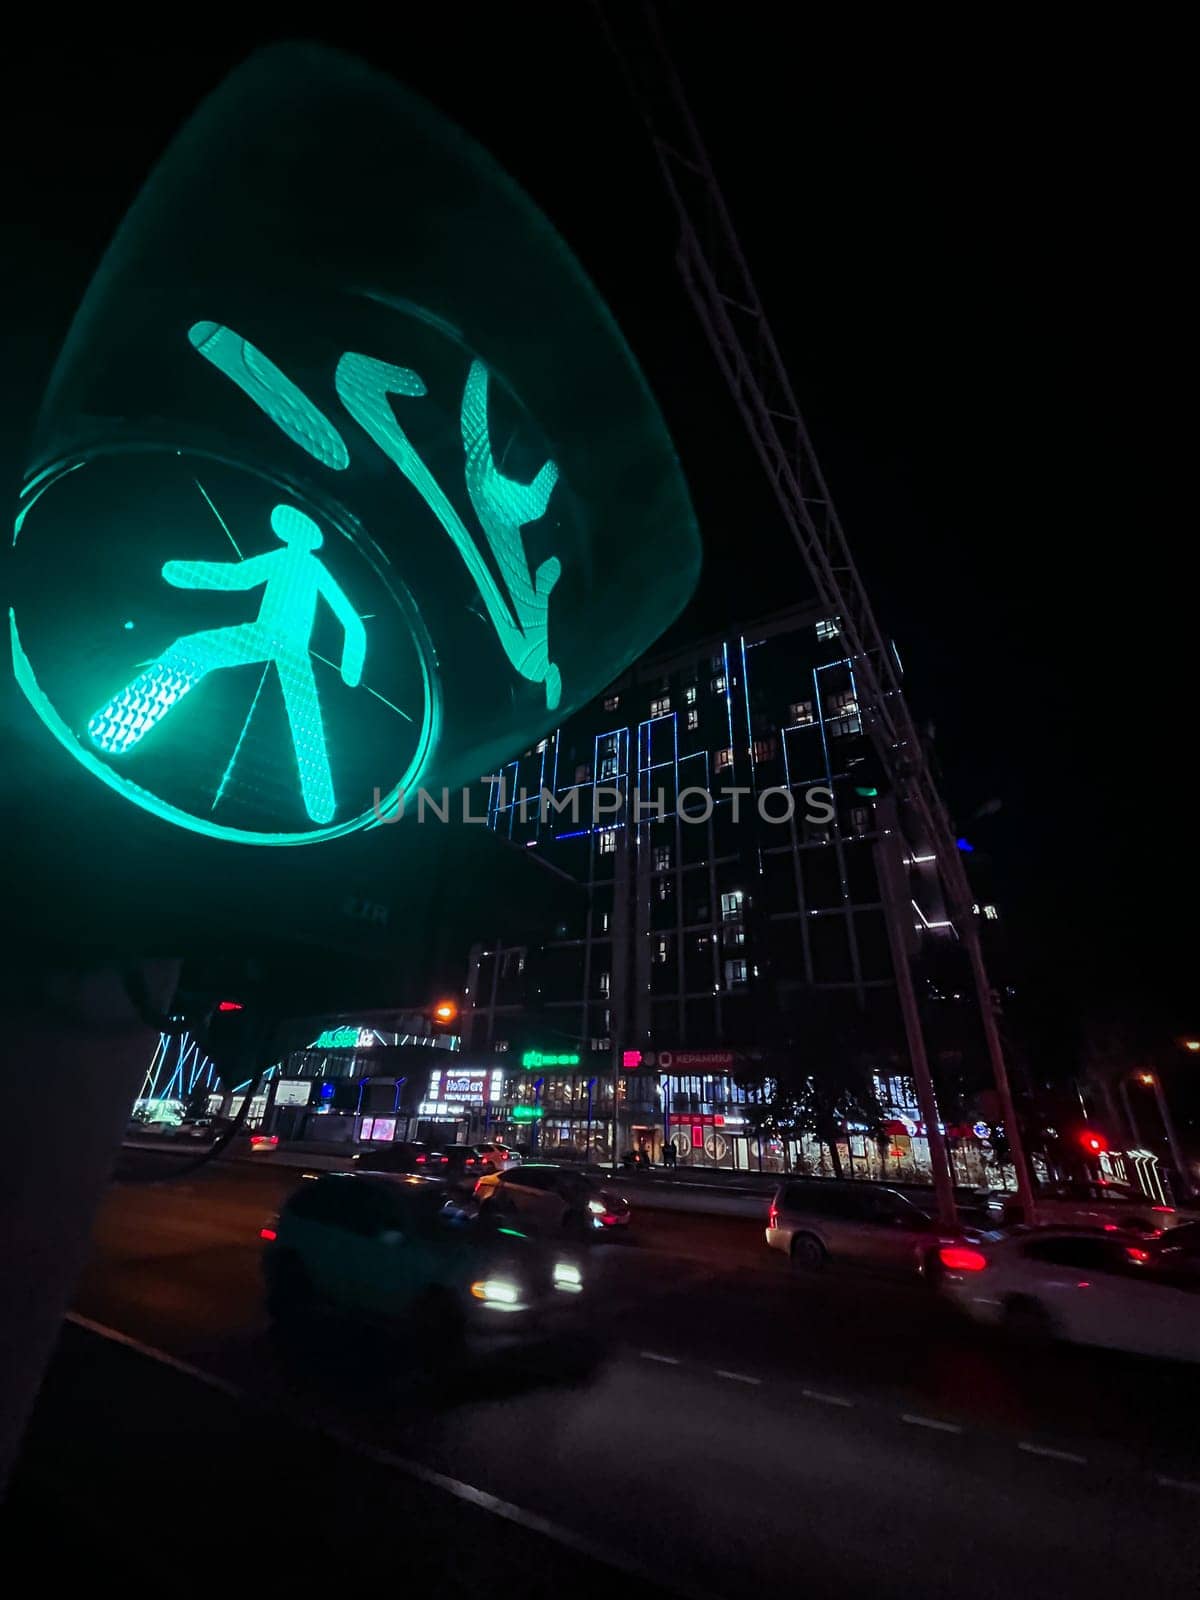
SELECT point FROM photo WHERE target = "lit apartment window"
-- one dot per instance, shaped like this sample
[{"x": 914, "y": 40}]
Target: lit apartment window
[
  {"x": 735, "y": 974},
  {"x": 662, "y": 889},
  {"x": 605, "y": 983},
  {"x": 660, "y": 707},
  {"x": 991, "y": 913},
  {"x": 828, "y": 628},
  {"x": 735, "y": 936},
  {"x": 662, "y": 951},
  {"x": 608, "y": 745},
  {"x": 689, "y": 694},
  {"x": 583, "y": 773},
  {"x": 604, "y": 922},
  {"x": 541, "y": 749},
  {"x": 608, "y": 841},
  {"x": 731, "y": 906},
  {"x": 693, "y": 720},
  {"x": 843, "y": 712},
  {"x": 724, "y": 758},
  {"x": 765, "y": 749},
  {"x": 801, "y": 712},
  {"x": 860, "y": 819},
  {"x": 609, "y": 766},
  {"x": 703, "y": 943},
  {"x": 613, "y": 701},
  {"x": 716, "y": 663},
  {"x": 662, "y": 857},
  {"x": 718, "y": 684}
]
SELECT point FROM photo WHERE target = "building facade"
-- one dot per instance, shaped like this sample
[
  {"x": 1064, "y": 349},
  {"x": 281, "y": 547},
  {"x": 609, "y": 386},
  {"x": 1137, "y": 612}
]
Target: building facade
[{"x": 722, "y": 805}]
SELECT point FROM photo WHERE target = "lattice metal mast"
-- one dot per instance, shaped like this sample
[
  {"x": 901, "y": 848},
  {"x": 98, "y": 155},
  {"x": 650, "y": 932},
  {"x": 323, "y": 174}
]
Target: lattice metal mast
[{"x": 718, "y": 280}]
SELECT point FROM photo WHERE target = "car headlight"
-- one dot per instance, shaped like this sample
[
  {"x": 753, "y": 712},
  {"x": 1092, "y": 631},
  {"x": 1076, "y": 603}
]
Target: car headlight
[
  {"x": 568, "y": 1277},
  {"x": 597, "y": 1207},
  {"x": 499, "y": 1292}
]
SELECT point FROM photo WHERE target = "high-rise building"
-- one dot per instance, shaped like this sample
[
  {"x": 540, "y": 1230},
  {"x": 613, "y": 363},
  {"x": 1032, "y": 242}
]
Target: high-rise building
[{"x": 743, "y": 863}]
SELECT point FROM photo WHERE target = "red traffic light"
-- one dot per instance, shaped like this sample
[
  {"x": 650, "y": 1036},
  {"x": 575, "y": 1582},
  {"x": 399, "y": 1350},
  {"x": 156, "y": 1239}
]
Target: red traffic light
[
  {"x": 230, "y": 1005},
  {"x": 445, "y": 1011},
  {"x": 1094, "y": 1143}
]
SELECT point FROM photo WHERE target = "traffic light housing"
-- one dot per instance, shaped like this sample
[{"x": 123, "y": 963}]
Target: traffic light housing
[{"x": 335, "y": 356}]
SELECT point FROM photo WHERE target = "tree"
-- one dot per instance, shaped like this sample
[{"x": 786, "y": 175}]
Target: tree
[{"x": 818, "y": 1073}]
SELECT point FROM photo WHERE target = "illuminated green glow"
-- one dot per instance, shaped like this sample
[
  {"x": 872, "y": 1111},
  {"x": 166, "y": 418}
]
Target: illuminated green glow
[
  {"x": 502, "y": 506},
  {"x": 293, "y": 579},
  {"x": 67, "y": 725},
  {"x": 274, "y": 393},
  {"x": 535, "y": 1058},
  {"x": 336, "y": 1039},
  {"x": 528, "y": 1113}
]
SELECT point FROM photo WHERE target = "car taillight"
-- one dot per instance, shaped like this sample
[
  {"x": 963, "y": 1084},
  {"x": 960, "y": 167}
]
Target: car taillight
[
  {"x": 1170, "y": 1210},
  {"x": 1137, "y": 1255},
  {"x": 957, "y": 1259},
  {"x": 267, "y": 1233},
  {"x": 420, "y": 1161},
  {"x": 772, "y": 1218}
]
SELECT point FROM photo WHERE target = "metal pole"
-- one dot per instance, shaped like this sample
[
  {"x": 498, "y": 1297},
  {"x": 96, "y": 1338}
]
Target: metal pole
[
  {"x": 943, "y": 1183},
  {"x": 991, "y": 1034},
  {"x": 1177, "y": 1158},
  {"x": 1127, "y": 1103},
  {"x": 88, "y": 1046}
]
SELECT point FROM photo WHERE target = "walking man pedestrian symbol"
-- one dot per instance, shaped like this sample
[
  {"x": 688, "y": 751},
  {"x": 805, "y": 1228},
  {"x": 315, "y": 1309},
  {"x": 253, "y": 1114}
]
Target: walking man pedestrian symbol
[{"x": 294, "y": 578}]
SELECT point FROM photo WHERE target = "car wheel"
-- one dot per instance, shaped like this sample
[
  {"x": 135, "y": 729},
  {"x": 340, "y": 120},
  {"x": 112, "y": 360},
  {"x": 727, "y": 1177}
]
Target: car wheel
[
  {"x": 574, "y": 1224},
  {"x": 1027, "y": 1320},
  {"x": 290, "y": 1295},
  {"x": 808, "y": 1253}
]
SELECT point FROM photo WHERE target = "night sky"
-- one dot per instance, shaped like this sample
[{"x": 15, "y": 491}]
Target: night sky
[{"x": 966, "y": 247}]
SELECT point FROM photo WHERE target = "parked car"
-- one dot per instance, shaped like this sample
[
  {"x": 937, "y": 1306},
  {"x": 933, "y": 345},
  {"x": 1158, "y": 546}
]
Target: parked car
[
  {"x": 552, "y": 1199},
  {"x": 496, "y": 1157},
  {"x": 1082, "y": 1285},
  {"x": 815, "y": 1221},
  {"x": 406, "y": 1155},
  {"x": 398, "y": 1250},
  {"x": 1093, "y": 1203}
]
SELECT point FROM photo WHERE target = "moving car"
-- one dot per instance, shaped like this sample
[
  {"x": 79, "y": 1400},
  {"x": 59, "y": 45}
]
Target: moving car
[
  {"x": 406, "y": 1155},
  {"x": 1082, "y": 1285},
  {"x": 553, "y": 1199},
  {"x": 1096, "y": 1203},
  {"x": 399, "y": 1250},
  {"x": 815, "y": 1221}
]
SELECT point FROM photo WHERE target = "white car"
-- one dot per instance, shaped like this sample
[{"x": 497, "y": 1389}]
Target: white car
[
  {"x": 1084, "y": 1286},
  {"x": 1115, "y": 1207}
]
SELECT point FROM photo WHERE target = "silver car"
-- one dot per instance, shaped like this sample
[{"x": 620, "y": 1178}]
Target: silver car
[{"x": 815, "y": 1221}]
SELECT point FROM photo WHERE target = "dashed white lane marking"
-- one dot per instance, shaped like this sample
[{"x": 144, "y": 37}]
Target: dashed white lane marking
[
  {"x": 827, "y": 1399},
  {"x": 1051, "y": 1455},
  {"x": 667, "y": 1361},
  {"x": 931, "y": 1422},
  {"x": 1177, "y": 1483},
  {"x": 467, "y": 1492},
  {"x": 736, "y": 1377}
]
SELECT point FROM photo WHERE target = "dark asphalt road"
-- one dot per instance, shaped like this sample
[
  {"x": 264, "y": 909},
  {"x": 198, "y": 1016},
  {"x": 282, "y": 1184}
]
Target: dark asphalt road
[{"x": 750, "y": 1426}]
